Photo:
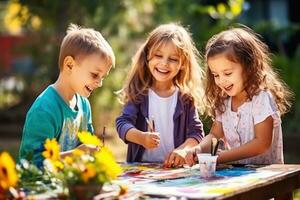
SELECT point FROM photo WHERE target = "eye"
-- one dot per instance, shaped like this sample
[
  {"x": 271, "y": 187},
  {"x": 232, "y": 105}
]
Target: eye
[
  {"x": 215, "y": 75},
  {"x": 173, "y": 59},
  {"x": 228, "y": 74},
  {"x": 94, "y": 75},
  {"x": 158, "y": 55}
]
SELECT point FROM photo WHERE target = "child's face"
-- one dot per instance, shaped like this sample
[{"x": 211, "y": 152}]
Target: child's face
[
  {"x": 88, "y": 74},
  {"x": 228, "y": 75},
  {"x": 164, "y": 64}
]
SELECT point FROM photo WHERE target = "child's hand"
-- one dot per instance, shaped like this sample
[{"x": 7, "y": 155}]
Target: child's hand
[
  {"x": 175, "y": 159},
  {"x": 151, "y": 140},
  {"x": 191, "y": 156},
  {"x": 88, "y": 148}
]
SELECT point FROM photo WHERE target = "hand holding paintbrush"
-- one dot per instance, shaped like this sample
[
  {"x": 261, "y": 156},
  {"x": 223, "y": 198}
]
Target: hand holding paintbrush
[{"x": 151, "y": 138}]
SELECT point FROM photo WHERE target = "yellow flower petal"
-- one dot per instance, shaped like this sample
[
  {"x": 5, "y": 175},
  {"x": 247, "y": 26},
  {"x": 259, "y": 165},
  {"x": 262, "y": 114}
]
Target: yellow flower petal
[
  {"x": 69, "y": 160},
  {"x": 89, "y": 172},
  {"x": 221, "y": 8},
  {"x": 88, "y": 138},
  {"x": 8, "y": 174},
  {"x": 52, "y": 149},
  {"x": 108, "y": 163},
  {"x": 78, "y": 153}
]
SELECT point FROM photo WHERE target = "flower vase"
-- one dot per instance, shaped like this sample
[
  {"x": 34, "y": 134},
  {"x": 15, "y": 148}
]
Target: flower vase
[{"x": 84, "y": 191}]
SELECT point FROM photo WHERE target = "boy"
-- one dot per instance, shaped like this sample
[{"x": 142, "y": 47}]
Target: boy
[{"x": 62, "y": 109}]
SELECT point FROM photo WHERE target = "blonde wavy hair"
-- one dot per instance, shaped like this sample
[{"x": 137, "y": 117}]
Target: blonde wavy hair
[
  {"x": 242, "y": 45},
  {"x": 189, "y": 79}
]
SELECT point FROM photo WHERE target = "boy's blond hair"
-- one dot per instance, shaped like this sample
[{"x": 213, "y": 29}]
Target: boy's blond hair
[{"x": 81, "y": 41}]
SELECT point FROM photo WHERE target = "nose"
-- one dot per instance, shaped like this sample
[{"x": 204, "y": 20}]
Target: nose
[{"x": 164, "y": 62}]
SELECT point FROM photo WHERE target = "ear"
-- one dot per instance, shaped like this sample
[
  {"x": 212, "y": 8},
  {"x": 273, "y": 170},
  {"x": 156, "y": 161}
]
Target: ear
[{"x": 68, "y": 63}]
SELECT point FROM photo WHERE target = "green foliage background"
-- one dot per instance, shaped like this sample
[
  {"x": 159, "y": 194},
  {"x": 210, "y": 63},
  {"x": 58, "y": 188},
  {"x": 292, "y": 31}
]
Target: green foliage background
[{"x": 125, "y": 24}]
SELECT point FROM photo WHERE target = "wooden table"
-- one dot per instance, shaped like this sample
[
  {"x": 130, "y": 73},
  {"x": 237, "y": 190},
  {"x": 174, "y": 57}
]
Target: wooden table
[
  {"x": 248, "y": 182},
  {"x": 280, "y": 185}
]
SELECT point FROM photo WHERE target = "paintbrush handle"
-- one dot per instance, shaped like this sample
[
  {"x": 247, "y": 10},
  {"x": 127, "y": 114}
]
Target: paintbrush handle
[
  {"x": 103, "y": 135},
  {"x": 212, "y": 148},
  {"x": 153, "y": 125},
  {"x": 149, "y": 124},
  {"x": 216, "y": 147}
]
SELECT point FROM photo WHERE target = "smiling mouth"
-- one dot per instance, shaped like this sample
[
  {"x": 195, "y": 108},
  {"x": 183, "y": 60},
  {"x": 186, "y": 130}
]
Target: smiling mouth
[
  {"x": 228, "y": 88},
  {"x": 162, "y": 71},
  {"x": 89, "y": 89}
]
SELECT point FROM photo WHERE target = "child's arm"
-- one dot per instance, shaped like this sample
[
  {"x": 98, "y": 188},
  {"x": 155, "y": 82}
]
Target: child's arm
[
  {"x": 261, "y": 142},
  {"x": 83, "y": 147},
  {"x": 39, "y": 125},
  {"x": 216, "y": 131},
  {"x": 194, "y": 135},
  {"x": 149, "y": 140},
  {"x": 125, "y": 124},
  {"x": 176, "y": 157}
]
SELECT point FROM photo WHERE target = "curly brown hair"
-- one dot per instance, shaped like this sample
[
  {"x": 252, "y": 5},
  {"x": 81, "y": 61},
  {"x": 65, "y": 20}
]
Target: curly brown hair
[{"x": 243, "y": 46}]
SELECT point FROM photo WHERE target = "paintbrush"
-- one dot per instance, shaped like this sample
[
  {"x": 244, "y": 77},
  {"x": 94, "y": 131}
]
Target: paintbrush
[
  {"x": 214, "y": 146},
  {"x": 103, "y": 135},
  {"x": 153, "y": 124},
  {"x": 150, "y": 124}
]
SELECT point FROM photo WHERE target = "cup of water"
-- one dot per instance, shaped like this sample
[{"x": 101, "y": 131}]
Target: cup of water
[{"x": 207, "y": 164}]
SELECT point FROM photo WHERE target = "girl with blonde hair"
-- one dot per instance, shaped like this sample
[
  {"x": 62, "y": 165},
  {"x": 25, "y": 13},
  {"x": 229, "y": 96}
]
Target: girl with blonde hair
[{"x": 161, "y": 95}]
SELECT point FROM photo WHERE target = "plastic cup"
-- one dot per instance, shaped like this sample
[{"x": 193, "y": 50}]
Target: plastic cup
[{"x": 207, "y": 164}]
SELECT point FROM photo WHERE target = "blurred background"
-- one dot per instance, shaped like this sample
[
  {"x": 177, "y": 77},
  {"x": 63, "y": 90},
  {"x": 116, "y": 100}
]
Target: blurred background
[{"x": 31, "y": 32}]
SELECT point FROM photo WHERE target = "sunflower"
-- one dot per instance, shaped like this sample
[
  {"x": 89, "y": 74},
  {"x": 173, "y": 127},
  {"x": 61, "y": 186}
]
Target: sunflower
[
  {"x": 88, "y": 172},
  {"x": 88, "y": 138},
  {"x": 8, "y": 174},
  {"x": 52, "y": 149},
  {"x": 107, "y": 163},
  {"x": 58, "y": 164}
]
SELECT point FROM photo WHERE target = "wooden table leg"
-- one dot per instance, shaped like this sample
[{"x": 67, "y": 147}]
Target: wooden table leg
[{"x": 287, "y": 196}]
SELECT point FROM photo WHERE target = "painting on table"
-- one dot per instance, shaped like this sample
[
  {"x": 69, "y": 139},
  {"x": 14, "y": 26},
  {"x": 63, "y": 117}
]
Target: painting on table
[{"x": 153, "y": 179}]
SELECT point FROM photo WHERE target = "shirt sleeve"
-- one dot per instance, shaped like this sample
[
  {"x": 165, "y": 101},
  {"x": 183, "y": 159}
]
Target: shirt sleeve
[
  {"x": 263, "y": 107},
  {"x": 195, "y": 126},
  {"x": 126, "y": 120},
  {"x": 39, "y": 126}
]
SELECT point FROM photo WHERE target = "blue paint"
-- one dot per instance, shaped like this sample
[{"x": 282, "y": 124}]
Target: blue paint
[
  {"x": 232, "y": 172},
  {"x": 180, "y": 182}
]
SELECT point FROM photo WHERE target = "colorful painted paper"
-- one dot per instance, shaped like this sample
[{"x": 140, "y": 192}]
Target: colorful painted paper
[{"x": 156, "y": 181}]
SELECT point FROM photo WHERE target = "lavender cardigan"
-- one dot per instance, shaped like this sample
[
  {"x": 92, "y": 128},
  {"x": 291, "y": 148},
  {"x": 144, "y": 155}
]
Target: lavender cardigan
[{"x": 186, "y": 124}]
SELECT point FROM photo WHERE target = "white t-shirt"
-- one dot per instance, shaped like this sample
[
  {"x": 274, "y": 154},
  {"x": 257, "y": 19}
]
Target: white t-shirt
[
  {"x": 161, "y": 109},
  {"x": 238, "y": 126}
]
